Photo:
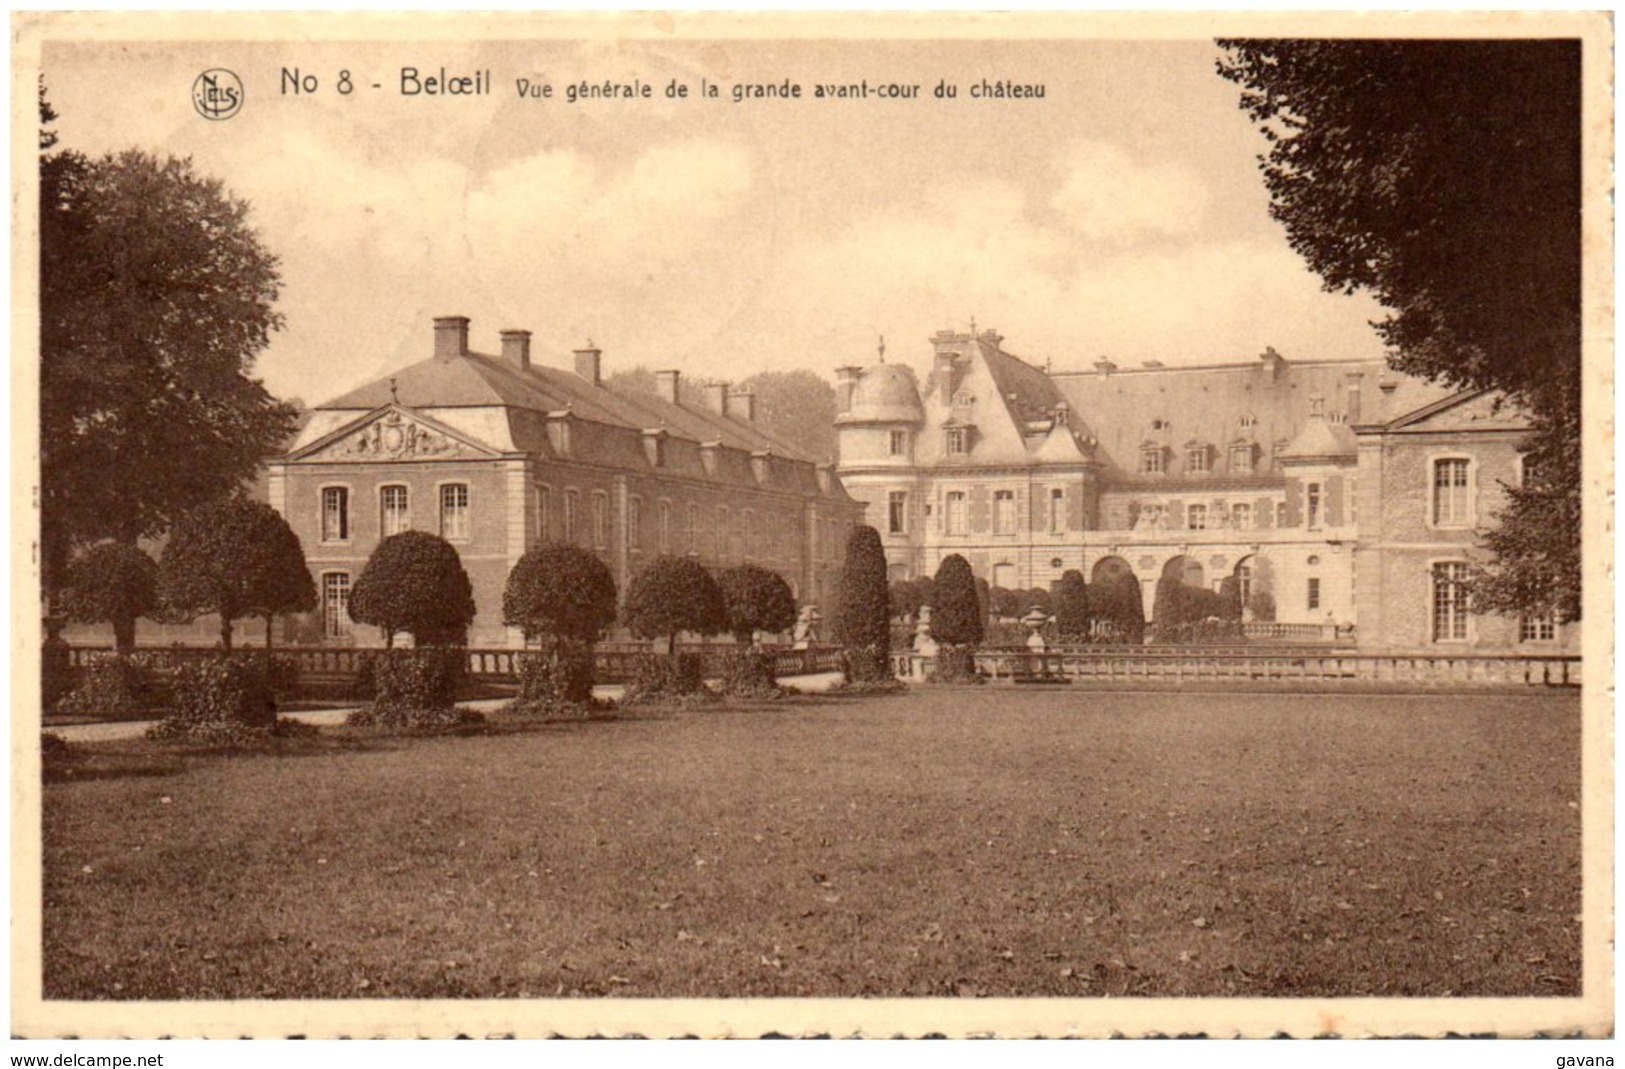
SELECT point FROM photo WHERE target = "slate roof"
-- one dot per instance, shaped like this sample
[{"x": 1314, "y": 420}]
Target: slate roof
[{"x": 479, "y": 380}]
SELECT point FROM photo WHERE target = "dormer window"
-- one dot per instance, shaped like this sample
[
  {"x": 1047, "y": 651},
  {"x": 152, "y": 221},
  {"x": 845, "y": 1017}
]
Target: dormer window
[
  {"x": 899, "y": 443},
  {"x": 963, "y": 399},
  {"x": 1247, "y": 422},
  {"x": 956, "y": 441},
  {"x": 1198, "y": 458},
  {"x": 1159, "y": 424},
  {"x": 1152, "y": 460},
  {"x": 1337, "y": 417},
  {"x": 1242, "y": 455}
]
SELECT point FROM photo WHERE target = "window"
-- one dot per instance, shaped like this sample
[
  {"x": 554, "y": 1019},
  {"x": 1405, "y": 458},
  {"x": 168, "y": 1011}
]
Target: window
[
  {"x": 897, "y": 512},
  {"x": 1244, "y": 581},
  {"x": 665, "y": 527},
  {"x": 1004, "y": 512},
  {"x": 1057, "y": 511},
  {"x": 1241, "y": 515},
  {"x": 600, "y": 519},
  {"x": 1247, "y": 421},
  {"x": 634, "y": 525},
  {"x": 963, "y": 399},
  {"x": 1159, "y": 424},
  {"x": 956, "y": 512},
  {"x": 454, "y": 511},
  {"x": 691, "y": 540},
  {"x": 1450, "y": 499},
  {"x": 569, "y": 517},
  {"x": 1312, "y": 600},
  {"x": 1241, "y": 459},
  {"x": 335, "y": 514},
  {"x": 393, "y": 516},
  {"x": 722, "y": 532},
  {"x": 543, "y": 510},
  {"x": 1450, "y": 602},
  {"x": 1196, "y": 458},
  {"x": 336, "y": 604},
  {"x": 1280, "y": 514},
  {"x": 1196, "y": 517},
  {"x": 1151, "y": 462},
  {"x": 747, "y": 533},
  {"x": 955, "y": 441},
  {"x": 1537, "y": 629},
  {"x": 1311, "y": 506},
  {"x": 899, "y": 443}
]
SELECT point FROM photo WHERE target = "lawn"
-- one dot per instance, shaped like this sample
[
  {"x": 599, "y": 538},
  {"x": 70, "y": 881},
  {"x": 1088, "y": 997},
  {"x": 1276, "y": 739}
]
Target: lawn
[{"x": 948, "y": 842}]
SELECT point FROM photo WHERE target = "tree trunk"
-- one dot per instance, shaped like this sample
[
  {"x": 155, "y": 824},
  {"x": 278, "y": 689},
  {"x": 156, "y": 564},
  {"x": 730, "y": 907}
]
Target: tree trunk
[
  {"x": 389, "y": 640},
  {"x": 269, "y": 620},
  {"x": 225, "y": 631},
  {"x": 124, "y": 635}
]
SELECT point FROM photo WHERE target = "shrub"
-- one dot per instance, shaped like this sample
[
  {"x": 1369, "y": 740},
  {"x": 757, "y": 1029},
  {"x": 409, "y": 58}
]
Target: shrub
[
  {"x": 237, "y": 558},
  {"x": 1230, "y": 598},
  {"x": 956, "y": 612},
  {"x": 1262, "y": 603},
  {"x": 115, "y": 583},
  {"x": 671, "y": 595},
  {"x": 1118, "y": 608},
  {"x": 560, "y": 673},
  {"x": 118, "y": 688},
  {"x": 415, "y": 687},
  {"x": 864, "y": 623},
  {"x": 1071, "y": 603},
  {"x": 955, "y": 664},
  {"x": 748, "y": 673},
  {"x": 667, "y": 680},
  {"x": 755, "y": 599},
  {"x": 414, "y": 582},
  {"x": 224, "y": 699}
]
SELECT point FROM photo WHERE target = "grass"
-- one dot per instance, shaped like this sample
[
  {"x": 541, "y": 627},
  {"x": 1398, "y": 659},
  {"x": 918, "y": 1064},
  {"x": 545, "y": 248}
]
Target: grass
[{"x": 986, "y": 841}]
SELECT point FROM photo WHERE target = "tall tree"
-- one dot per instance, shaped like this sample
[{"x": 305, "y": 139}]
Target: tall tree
[
  {"x": 156, "y": 294},
  {"x": 236, "y": 558},
  {"x": 1444, "y": 178},
  {"x": 1071, "y": 601}
]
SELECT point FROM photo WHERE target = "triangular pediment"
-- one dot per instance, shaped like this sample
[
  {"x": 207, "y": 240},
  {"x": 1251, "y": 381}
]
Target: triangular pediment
[
  {"x": 1470, "y": 410},
  {"x": 394, "y": 434}
]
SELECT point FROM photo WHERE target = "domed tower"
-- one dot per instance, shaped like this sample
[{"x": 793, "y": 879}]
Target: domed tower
[{"x": 878, "y": 419}]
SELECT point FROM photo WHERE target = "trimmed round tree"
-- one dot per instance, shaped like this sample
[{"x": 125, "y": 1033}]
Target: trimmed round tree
[
  {"x": 236, "y": 558},
  {"x": 1120, "y": 607},
  {"x": 1071, "y": 601},
  {"x": 112, "y": 582},
  {"x": 1230, "y": 598},
  {"x": 756, "y": 599},
  {"x": 864, "y": 623},
  {"x": 414, "y": 582},
  {"x": 671, "y": 595},
  {"x": 564, "y": 597}
]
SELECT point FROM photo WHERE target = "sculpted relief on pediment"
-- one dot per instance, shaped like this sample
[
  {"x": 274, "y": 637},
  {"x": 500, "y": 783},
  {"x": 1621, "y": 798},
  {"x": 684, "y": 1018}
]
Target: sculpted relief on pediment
[{"x": 394, "y": 437}]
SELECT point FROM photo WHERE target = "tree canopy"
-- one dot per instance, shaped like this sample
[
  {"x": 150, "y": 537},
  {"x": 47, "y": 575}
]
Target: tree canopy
[
  {"x": 115, "y": 583},
  {"x": 561, "y": 590},
  {"x": 414, "y": 582},
  {"x": 235, "y": 557},
  {"x": 1071, "y": 601},
  {"x": 156, "y": 294},
  {"x": 756, "y": 599},
  {"x": 672, "y": 595},
  {"x": 1444, "y": 178}
]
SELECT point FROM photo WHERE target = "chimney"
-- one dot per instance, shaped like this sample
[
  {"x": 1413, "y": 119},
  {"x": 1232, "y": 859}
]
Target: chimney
[
  {"x": 741, "y": 405},
  {"x": 450, "y": 337},
  {"x": 1105, "y": 367},
  {"x": 516, "y": 348},
  {"x": 947, "y": 364},
  {"x": 716, "y": 397},
  {"x": 1351, "y": 395},
  {"x": 666, "y": 386},
  {"x": 1273, "y": 362},
  {"x": 846, "y": 381},
  {"x": 589, "y": 365}
]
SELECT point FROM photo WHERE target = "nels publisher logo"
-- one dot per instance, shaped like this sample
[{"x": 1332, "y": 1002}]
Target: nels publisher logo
[{"x": 217, "y": 94}]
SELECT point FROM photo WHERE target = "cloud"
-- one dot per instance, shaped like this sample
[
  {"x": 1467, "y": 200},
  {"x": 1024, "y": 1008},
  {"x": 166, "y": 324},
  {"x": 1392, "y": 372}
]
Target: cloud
[{"x": 1105, "y": 195}]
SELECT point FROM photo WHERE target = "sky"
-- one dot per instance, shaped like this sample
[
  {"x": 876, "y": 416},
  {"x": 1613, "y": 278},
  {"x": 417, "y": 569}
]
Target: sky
[{"x": 1121, "y": 215}]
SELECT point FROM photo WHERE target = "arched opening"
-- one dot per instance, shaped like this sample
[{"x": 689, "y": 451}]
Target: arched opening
[
  {"x": 1256, "y": 587},
  {"x": 1110, "y": 566},
  {"x": 1187, "y": 570}
]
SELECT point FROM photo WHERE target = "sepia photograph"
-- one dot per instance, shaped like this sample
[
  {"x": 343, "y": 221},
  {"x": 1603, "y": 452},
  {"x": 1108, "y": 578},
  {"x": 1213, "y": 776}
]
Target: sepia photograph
[{"x": 741, "y": 525}]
